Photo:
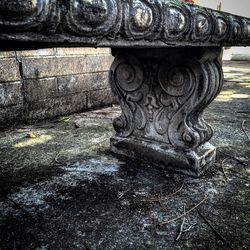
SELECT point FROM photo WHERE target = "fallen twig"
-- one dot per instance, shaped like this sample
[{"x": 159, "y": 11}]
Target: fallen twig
[
  {"x": 242, "y": 111},
  {"x": 156, "y": 199},
  {"x": 184, "y": 214},
  {"x": 154, "y": 234},
  {"x": 236, "y": 173},
  {"x": 18, "y": 206},
  {"x": 189, "y": 228},
  {"x": 161, "y": 204},
  {"x": 182, "y": 225},
  {"x": 221, "y": 237},
  {"x": 223, "y": 170},
  {"x": 122, "y": 194},
  {"x": 239, "y": 175},
  {"x": 243, "y": 129},
  {"x": 234, "y": 158}
]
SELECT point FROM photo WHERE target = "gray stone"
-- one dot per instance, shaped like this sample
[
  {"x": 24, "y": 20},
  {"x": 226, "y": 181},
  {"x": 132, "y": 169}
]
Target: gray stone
[
  {"x": 98, "y": 63},
  {"x": 32, "y": 90},
  {"x": 40, "y": 89},
  {"x": 10, "y": 94},
  {"x": 53, "y": 66},
  {"x": 56, "y": 106},
  {"x": 118, "y": 23},
  {"x": 7, "y": 54},
  {"x": 36, "y": 53},
  {"x": 162, "y": 94},
  {"x": 100, "y": 98},
  {"x": 192, "y": 162},
  {"x": 60, "y": 66},
  {"x": 83, "y": 82},
  {"x": 9, "y": 70},
  {"x": 11, "y": 115},
  {"x": 81, "y": 51}
]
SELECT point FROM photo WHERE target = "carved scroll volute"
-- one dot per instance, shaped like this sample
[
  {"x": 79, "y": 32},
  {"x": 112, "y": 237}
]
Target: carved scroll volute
[
  {"x": 94, "y": 17},
  {"x": 178, "y": 80},
  {"x": 194, "y": 84},
  {"x": 126, "y": 78},
  {"x": 26, "y": 14}
]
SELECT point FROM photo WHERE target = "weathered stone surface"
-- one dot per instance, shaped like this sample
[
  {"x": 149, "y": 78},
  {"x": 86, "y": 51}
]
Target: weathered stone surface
[
  {"x": 7, "y": 54},
  {"x": 9, "y": 70},
  {"x": 98, "y": 63},
  {"x": 81, "y": 83},
  {"x": 11, "y": 115},
  {"x": 57, "y": 106},
  {"x": 118, "y": 23},
  {"x": 10, "y": 94},
  {"x": 36, "y": 53},
  {"x": 52, "y": 66},
  {"x": 81, "y": 51},
  {"x": 58, "y": 66},
  {"x": 100, "y": 98},
  {"x": 46, "y": 81},
  {"x": 40, "y": 89},
  {"x": 162, "y": 94}
]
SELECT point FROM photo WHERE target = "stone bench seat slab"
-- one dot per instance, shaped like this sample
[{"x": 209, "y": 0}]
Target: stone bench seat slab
[{"x": 117, "y": 23}]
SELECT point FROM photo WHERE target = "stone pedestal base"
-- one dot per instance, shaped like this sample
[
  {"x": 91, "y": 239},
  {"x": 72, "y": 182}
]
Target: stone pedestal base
[
  {"x": 162, "y": 94},
  {"x": 192, "y": 162}
]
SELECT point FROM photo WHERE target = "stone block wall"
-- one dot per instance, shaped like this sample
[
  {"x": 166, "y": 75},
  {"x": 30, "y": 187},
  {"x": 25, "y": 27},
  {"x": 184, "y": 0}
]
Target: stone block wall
[{"x": 46, "y": 83}]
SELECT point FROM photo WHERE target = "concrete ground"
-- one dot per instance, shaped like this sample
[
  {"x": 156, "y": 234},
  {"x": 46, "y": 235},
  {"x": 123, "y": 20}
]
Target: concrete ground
[{"x": 63, "y": 189}]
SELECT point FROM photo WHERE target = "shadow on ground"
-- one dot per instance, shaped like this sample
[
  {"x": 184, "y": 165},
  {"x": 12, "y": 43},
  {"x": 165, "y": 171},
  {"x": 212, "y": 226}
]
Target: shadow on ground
[{"x": 63, "y": 189}]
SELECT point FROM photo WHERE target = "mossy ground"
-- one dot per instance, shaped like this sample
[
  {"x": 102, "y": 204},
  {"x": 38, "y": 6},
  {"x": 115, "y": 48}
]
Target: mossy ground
[{"x": 65, "y": 190}]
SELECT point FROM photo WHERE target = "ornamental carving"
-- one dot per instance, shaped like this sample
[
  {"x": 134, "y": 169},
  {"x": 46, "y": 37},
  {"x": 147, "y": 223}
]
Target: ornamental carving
[
  {"x": 163, "y": 99},
  {"x": 119, "y": 23},
  {"x": 94, "y": 17},
  {"x": 177, "y": 22},
  {"x": 27, "y": 14},
  {"x": 236, "y": 29},
  {"x": 143, "y": 19},
  {"x": 221, "y": 27},
  {"x": 203, "y": 25}
]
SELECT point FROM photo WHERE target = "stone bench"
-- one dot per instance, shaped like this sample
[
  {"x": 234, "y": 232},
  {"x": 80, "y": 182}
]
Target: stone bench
[{"x": 167, "y": 66}]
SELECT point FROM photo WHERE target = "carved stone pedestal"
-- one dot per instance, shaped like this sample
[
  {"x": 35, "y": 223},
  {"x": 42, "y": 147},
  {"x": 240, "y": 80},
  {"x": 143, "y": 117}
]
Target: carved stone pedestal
[
  {"x": 162, "y": 93},
  {"x": 166, "y": 69}
]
